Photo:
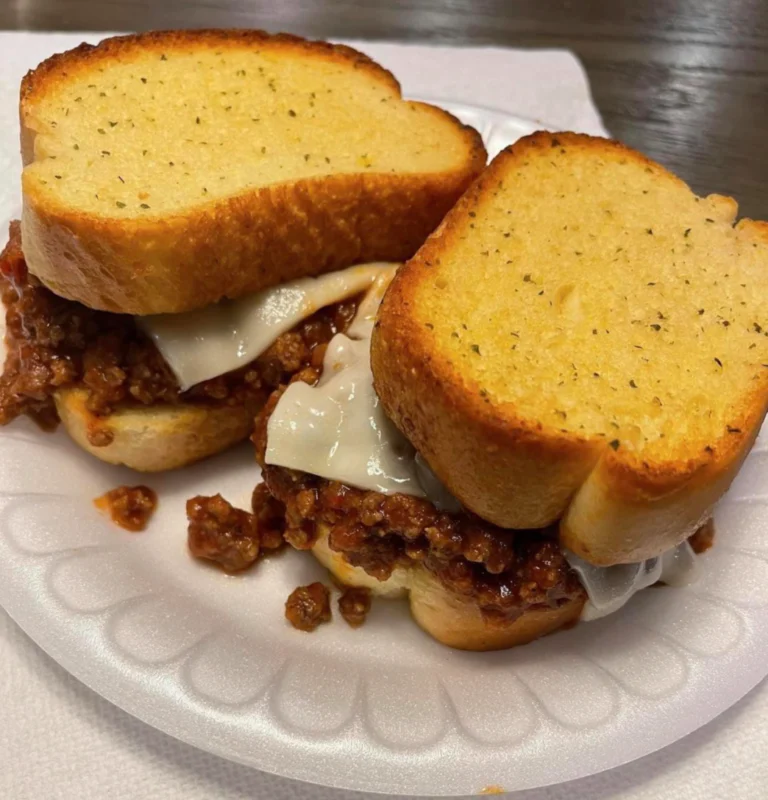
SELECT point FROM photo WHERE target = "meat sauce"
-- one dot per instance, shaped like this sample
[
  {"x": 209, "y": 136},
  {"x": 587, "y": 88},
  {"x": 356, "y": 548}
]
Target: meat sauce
[
  {"x": 53, "y": 343},
  {"x": 308, "y": 607},
  {"x": 231, "y": 537},
  {"x": 130, "y": 507},
  {"x": 354, "y": 605},
  {"x": 505, "y": 572}
]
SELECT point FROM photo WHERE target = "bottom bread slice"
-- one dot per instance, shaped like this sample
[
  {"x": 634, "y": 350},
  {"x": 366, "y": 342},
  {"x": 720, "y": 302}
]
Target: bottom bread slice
[
  {"x": 453, "y": 620},
  {"x": 153, "y": 438}
]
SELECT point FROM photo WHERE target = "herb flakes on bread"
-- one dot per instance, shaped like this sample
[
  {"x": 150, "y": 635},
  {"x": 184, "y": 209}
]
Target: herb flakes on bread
[
  {"x": 582, "y": 339},
  {"x": 168, "y": 170}
]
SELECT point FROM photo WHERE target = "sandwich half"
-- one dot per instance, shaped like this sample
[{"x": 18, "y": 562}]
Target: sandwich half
[
  {"x": 604, "y": 368},
  {"x": 181, "y": 187},
  {"x": 471, "y": 457}
]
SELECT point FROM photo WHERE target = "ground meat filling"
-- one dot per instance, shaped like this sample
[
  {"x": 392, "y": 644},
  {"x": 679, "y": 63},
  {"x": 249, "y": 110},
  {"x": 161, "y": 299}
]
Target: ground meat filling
[
  {"x": 308, "y": 607},
  {"x": 53, "y": 343},
  {"x": 231, "y": 537},
  {"x": 505, "y": 572},
  {"x": 354, "y": 605},
  {"x": 130, "y": 507}
]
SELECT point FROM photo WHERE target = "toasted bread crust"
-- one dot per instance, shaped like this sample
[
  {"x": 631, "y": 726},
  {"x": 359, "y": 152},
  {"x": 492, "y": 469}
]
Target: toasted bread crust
[
  {"x": 518, "y": 473},
  {"x": 85, "y": 56},
  {"x": 272, "y": 234},
  {"x": 154, "y": 438},
  {"x": 452, "y": 620},
  {"x": 458, "y": 623},
  {"x": 630, "y": 511}
]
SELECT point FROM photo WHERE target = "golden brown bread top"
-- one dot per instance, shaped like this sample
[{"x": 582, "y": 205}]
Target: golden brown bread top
[
  {"x": 580, "y": 308},
  {"x": 220, "y": 162},
  {"x": 86, "y": 56}
]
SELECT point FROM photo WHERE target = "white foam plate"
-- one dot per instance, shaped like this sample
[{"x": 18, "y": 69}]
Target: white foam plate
[{"x": 210, "y": 659}]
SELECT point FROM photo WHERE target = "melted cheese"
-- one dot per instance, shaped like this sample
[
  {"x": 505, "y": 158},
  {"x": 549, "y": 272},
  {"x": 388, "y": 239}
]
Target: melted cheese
[
  {"x": 203, "y": 344},
  {"x": 337, "y": 429},
  {"x": 611, "y": 588}
]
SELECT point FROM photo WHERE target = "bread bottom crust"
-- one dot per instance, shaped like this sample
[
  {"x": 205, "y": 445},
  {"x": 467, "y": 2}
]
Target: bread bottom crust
[
  {"x": 153, "y": 438},
  {"x": 453, "y": 620}
]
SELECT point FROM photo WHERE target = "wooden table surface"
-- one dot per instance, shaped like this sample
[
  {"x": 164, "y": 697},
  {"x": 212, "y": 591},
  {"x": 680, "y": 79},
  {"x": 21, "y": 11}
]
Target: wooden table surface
[{"x": 686, "y": 81}]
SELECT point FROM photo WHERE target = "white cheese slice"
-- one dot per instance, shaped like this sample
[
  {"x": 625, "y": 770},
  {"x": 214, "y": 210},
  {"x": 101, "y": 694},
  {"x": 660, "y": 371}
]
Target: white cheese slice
[
  {"x": 203, "y": 344},
  {"x": 337, "y": 429},
  {"x": 611, "y": 588}
]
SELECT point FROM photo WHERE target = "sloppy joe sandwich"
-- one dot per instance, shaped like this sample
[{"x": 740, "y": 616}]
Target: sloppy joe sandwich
[
  {"x": 200, "y": 211},
  {"x": 537, "y": 421}
]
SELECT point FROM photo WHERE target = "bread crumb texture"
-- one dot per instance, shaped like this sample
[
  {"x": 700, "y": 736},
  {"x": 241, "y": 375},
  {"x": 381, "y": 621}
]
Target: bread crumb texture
[
  {"x": 164, "y": 122},
  {"x": 588, "y": 289}
]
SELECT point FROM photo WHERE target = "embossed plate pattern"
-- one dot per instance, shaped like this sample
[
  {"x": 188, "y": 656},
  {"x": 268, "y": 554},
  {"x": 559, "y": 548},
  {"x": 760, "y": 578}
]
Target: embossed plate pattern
[{"x": 209, "y": 658}]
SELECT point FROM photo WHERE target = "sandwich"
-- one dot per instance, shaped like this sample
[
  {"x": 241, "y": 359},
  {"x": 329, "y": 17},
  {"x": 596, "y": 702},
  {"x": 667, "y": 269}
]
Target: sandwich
[
  {"x": 200, "y": 211},
  {"x": 539, "y": 417}
]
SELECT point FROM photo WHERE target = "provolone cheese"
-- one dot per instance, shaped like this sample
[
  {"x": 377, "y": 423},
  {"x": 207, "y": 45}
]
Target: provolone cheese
[
  {"x": 337, "y": 429},
  {"x": 203, "y": 344},
  {"x": 611, "y": 588}
]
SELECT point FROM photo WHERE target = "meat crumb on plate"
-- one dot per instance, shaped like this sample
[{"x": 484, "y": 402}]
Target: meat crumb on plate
[
  {"x": 231, "y": 537},
  {"x": 130, "y": 507},
  {"x": 354, "y": 605},
  {"x": 307, "y": 607}
]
